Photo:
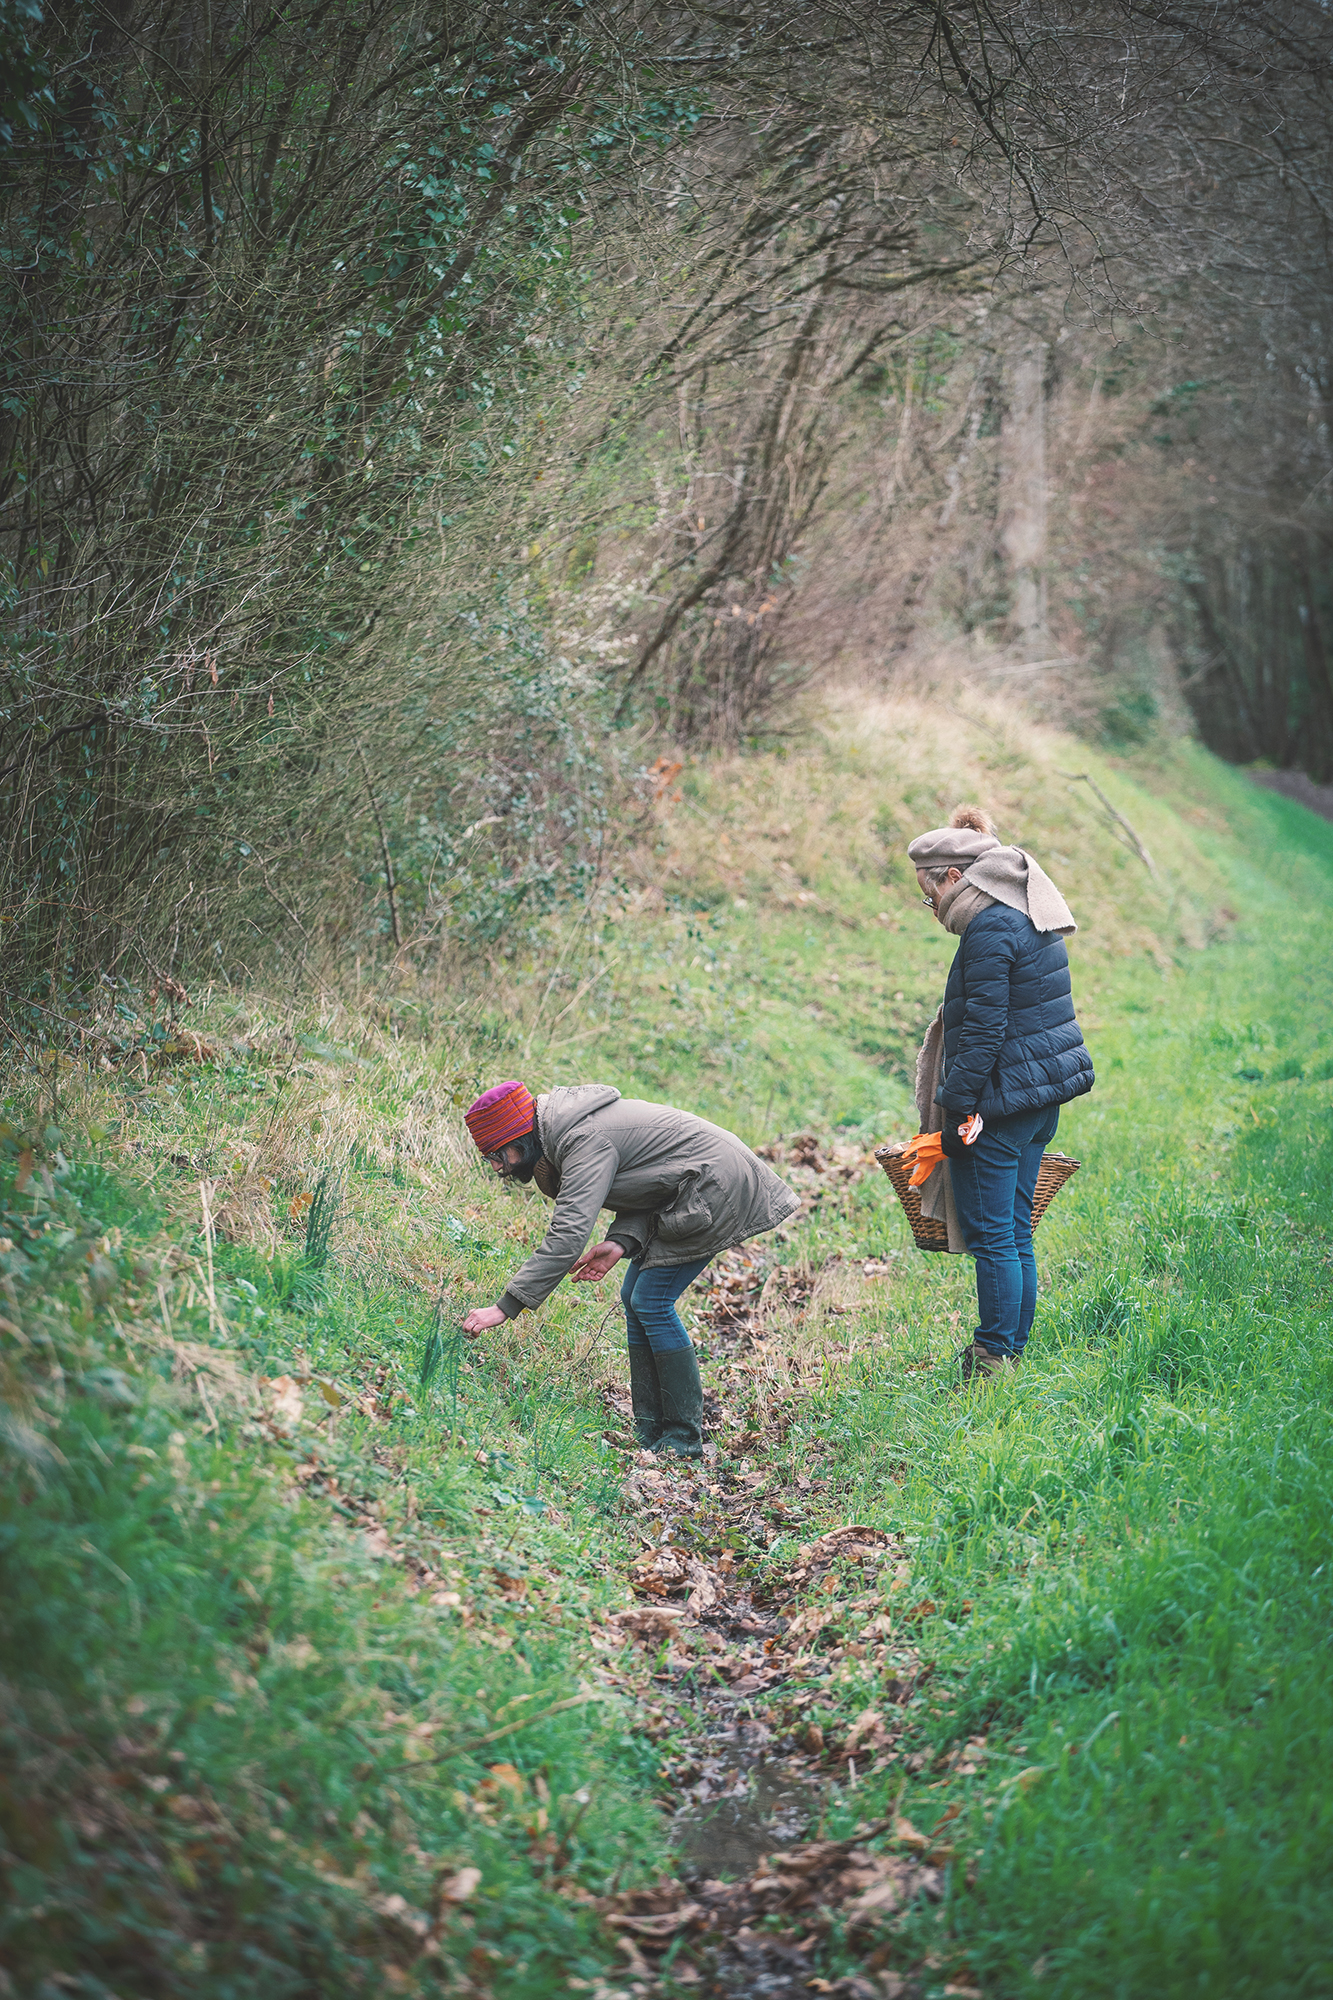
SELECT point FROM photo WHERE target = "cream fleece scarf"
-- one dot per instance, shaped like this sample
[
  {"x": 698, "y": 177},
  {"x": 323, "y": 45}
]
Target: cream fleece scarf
[
  {"x": 1007, "y": 874},
  {"x": 961, "y": 902}
]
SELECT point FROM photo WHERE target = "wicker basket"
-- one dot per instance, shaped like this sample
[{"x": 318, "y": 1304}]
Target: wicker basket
[{"x": 929, "y": 1232}]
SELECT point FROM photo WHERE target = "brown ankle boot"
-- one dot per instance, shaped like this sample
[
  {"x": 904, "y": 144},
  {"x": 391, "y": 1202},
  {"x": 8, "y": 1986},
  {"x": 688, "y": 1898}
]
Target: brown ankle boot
[{"x": 978, "y": 1362}]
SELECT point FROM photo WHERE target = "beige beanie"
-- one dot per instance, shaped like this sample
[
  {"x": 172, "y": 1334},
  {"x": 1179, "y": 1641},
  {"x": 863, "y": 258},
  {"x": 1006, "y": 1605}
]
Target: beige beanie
[{"x": 1009, "y": 874}]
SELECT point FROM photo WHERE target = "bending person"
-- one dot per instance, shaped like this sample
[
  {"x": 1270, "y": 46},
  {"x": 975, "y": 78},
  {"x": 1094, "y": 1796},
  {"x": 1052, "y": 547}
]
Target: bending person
[
  {"x": 1013, "y": 1051},
  {"x": 681, "y": 1191}
]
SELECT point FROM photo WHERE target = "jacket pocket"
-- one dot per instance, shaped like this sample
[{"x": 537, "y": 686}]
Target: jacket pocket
[{"x": 688, "y": 1215}]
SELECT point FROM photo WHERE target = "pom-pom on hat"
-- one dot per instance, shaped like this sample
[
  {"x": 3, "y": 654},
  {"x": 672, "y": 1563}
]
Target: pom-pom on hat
[
  {"x": 501, "y": 1114},
  {"x": 964, "y": 840}
]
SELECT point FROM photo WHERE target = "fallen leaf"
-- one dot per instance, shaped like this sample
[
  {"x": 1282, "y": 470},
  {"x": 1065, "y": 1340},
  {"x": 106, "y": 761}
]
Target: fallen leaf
[
  {"x": 867, "y": 1731},
  {"x": 704, "y": 1592},
  {"x": 458, "y": 1888},
  {"x": 649, "y": 1623},
  {"x": 661, "y": 1571},
  {"x": 503, "y": 1777},
  {"x": 925, "y": 1609},
  {"x": 400, "y": 1911},
  {"x": 880, "y": 1900},
  {"x": 806, "y": 1624},
  {"x": 284, "y": 1395},
  {"x": 873, "y": 1538}
]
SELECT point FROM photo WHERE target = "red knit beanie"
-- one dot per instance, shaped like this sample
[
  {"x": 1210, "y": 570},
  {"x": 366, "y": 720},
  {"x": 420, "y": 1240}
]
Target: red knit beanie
[{"x": 501, "y": 1114}]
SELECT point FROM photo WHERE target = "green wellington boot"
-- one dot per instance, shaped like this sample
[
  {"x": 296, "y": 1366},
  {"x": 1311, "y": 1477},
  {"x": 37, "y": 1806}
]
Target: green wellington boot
[
  {"x": 682, "y": 1403},
  {"x": 645, "y": 1397}
]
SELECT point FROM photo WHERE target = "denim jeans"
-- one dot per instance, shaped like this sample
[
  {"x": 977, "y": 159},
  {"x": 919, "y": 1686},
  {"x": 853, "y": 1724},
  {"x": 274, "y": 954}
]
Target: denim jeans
[
  {"x": 993, "y": 1185},
  {"x": 649, "y": 1298}
]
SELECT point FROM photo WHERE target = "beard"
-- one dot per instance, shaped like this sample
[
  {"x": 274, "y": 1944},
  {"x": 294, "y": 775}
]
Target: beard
[{"x": 527, "y": 1166}]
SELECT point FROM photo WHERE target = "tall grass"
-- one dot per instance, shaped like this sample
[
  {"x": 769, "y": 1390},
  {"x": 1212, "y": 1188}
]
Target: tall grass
[{"x": 221, "y": 1702}]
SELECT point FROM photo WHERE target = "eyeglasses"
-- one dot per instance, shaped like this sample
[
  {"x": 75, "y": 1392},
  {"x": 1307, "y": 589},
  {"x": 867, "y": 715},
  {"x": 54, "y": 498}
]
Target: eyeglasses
[{"x": 929, "y": 902}]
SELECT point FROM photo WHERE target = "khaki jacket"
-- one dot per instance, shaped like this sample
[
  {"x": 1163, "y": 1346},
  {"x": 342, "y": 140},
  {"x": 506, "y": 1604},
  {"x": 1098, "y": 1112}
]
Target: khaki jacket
[{"x": 681, "y": 1189}]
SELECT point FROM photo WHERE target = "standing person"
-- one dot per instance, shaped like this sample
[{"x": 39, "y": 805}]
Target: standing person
[
  {"x": 1012, "y": 1051},
  {"x": 681, "y": 1191}
]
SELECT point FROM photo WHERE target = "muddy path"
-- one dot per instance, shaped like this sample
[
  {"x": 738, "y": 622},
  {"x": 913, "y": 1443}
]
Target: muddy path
[{"x": 734, "y": 1648}]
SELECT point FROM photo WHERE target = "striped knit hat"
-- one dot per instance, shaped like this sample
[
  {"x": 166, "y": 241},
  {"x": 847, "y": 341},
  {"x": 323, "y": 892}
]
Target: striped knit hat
[{"x": 501, "y": 1114}]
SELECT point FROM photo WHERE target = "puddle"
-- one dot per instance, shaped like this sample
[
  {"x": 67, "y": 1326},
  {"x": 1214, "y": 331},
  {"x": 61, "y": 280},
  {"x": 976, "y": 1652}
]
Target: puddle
[{"x": 742, "y": 1806}]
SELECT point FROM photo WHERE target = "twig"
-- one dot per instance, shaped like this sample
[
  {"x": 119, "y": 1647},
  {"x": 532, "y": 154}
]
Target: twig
[
  {"x": 579, "y": 1359},
  {"x": 389, "y": 876},
  {"x": 1035, "y": 666},
  {"x": 1086, "y": 778},
  {"x": 70, "y": 729},
  {"x": 216, "y": 1323},
  {"x": 289, "y": 913},
  {"x": 202, "y": 1393}
]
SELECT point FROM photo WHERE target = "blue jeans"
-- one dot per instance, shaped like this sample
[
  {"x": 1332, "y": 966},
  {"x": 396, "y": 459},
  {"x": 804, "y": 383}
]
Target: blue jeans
[
  {"x": 993, "y": 1186},
  {"x": 649, "y": 1298}
]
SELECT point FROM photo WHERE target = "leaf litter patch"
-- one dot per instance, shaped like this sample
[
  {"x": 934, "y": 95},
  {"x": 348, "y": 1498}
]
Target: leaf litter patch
[{"x": 730, "y": 1655}]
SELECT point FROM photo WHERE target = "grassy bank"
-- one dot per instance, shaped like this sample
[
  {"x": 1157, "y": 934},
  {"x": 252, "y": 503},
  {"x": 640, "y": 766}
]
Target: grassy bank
[
  {"x": 280, "y": 1594},
  {"x": 263, "y": 1646},
  {"x": 1122, "y": 1555}
]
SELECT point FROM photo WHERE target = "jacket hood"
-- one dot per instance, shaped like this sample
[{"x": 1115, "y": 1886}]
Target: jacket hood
[{"x": 560, "y": 1111}]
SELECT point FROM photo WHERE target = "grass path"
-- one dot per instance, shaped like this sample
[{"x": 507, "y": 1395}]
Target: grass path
[{"x": 326, "y": 1672}]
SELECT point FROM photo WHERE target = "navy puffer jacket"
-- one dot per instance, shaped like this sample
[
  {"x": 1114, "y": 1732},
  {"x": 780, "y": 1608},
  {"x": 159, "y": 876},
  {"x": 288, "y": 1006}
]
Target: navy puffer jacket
[{"x": 1011, "y": 1042}]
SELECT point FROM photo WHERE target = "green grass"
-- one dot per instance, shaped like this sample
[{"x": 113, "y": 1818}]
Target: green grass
[
  {"x": 222, "y": 1709},
  {"x": 217, "y": 1689}
]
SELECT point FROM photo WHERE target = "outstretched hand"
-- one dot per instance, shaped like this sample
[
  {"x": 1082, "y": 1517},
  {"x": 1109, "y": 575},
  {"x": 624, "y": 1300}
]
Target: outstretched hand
[
  {"x": 594, "y": 1264},
  {"x": 483, "y": 1317}
]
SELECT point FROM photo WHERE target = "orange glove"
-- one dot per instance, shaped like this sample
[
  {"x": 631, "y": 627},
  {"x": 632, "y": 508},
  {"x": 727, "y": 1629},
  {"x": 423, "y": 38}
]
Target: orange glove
[
  {"x": 927, "y": 1149},
  {"x": 924, "y": 1153}
]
